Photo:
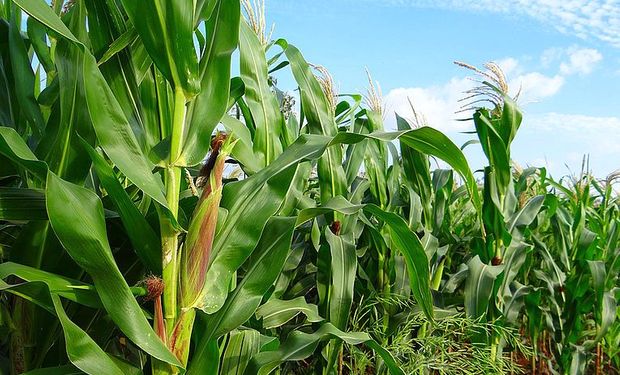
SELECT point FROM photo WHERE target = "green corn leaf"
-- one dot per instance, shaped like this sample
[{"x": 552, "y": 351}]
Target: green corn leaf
[
  {"x": 261, "y": 101},
  {"x": 527, "y": 214},
  {"x": 338, "y": 204},
  {"x": 578, "y": 360},
  {"x": 61, "y": 147},
  {"x": 206, "y": 360},
  {"x": 243, "y": 151},
  {"x": 41, "y": 11},
  {"x": 599, "y": 273},
  {"x": 108, "y": 28},
  {"x": 76, "y": 215},
  {"x": 204, "y": 9},
  {"x": 115, "y": 135},
  {"x": 416, "y": 168},
  {"x": 205, "y": 112},
  {"x": 277, "y": 312},
  {"x": 516, "y": 302},
  {"x": 15, "y": 149},
  {"x": 295, "y": 197},
  {"x": 479, "y": 286},
  {"x": 82, "y": 350},
  {"x": 153, "y": 114},
  {"x": 240, "y": 348},
  {"x": 514, "y": 257},
  {"x": 37, "y": 37},
  {"x": 494, "y": 148},
  {"x": 355, "y": 153},
  {"x": 118, "y": 45},
  {"x": 411, "y": 248},
  {"x": 343, "y": 271},
  {"x": 316, "y": 108},
  {"x": 263, "y": 267},
  {"x": 166, "y": 28},
  {"x": 443, "y": 184},
  {"x": 42, "y": 282},
  {"x": 300, "y": 345},
  {"x": 142, "y": 236},
  {"x": 22, "y": 71},
  {"x": 250, "y": 203},
  {"x": 7, "y": 117},
  {"x": 511, "y": 120},
  {"x": 456, "y": 279},
  {"x": 609, "y": 305},
  {"x": 20, "y": 204}
]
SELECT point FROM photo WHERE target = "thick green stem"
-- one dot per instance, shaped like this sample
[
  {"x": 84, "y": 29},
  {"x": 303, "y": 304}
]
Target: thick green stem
[
  {"x": 169, "y": 233},
  {"x": 170, "y": 244},
  {"x": 178, "y": 126}
]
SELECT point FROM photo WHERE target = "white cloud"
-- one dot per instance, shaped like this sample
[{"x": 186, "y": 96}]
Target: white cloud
[
  {"x": 437, "y": 104},
  {"x": 581, "y": 61},
  {"x": 536, "y": 86},
  {"x": 551, "y": 56},
  {"x": 597, "y": 135},
  {"x": 559, "y": 141},
  {"x": 598, "y": 19},
  {"x": 533, "y": 86}
]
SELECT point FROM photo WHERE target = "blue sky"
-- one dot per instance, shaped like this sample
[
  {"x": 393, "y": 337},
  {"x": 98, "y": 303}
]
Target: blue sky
[{"x": 565, "y": 55}]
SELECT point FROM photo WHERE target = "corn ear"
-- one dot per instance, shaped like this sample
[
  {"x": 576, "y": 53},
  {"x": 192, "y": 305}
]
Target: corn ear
[{"x": 196, "y": 253}]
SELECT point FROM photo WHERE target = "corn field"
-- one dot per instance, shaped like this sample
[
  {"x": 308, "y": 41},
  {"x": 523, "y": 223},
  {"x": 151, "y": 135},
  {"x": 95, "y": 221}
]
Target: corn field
[{"x": 160, "y": 215}]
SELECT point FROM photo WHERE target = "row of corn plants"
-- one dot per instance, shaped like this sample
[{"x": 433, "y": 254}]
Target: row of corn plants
[{"x": 160, "y": 215}]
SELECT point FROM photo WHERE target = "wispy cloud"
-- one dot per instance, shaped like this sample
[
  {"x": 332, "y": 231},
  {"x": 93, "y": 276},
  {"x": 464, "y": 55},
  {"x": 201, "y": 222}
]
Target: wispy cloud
[{"x": 598, "y": 19}]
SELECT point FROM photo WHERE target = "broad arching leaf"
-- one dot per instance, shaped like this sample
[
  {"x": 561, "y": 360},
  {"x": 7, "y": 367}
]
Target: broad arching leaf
[{"x": 76, "y": 215}]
